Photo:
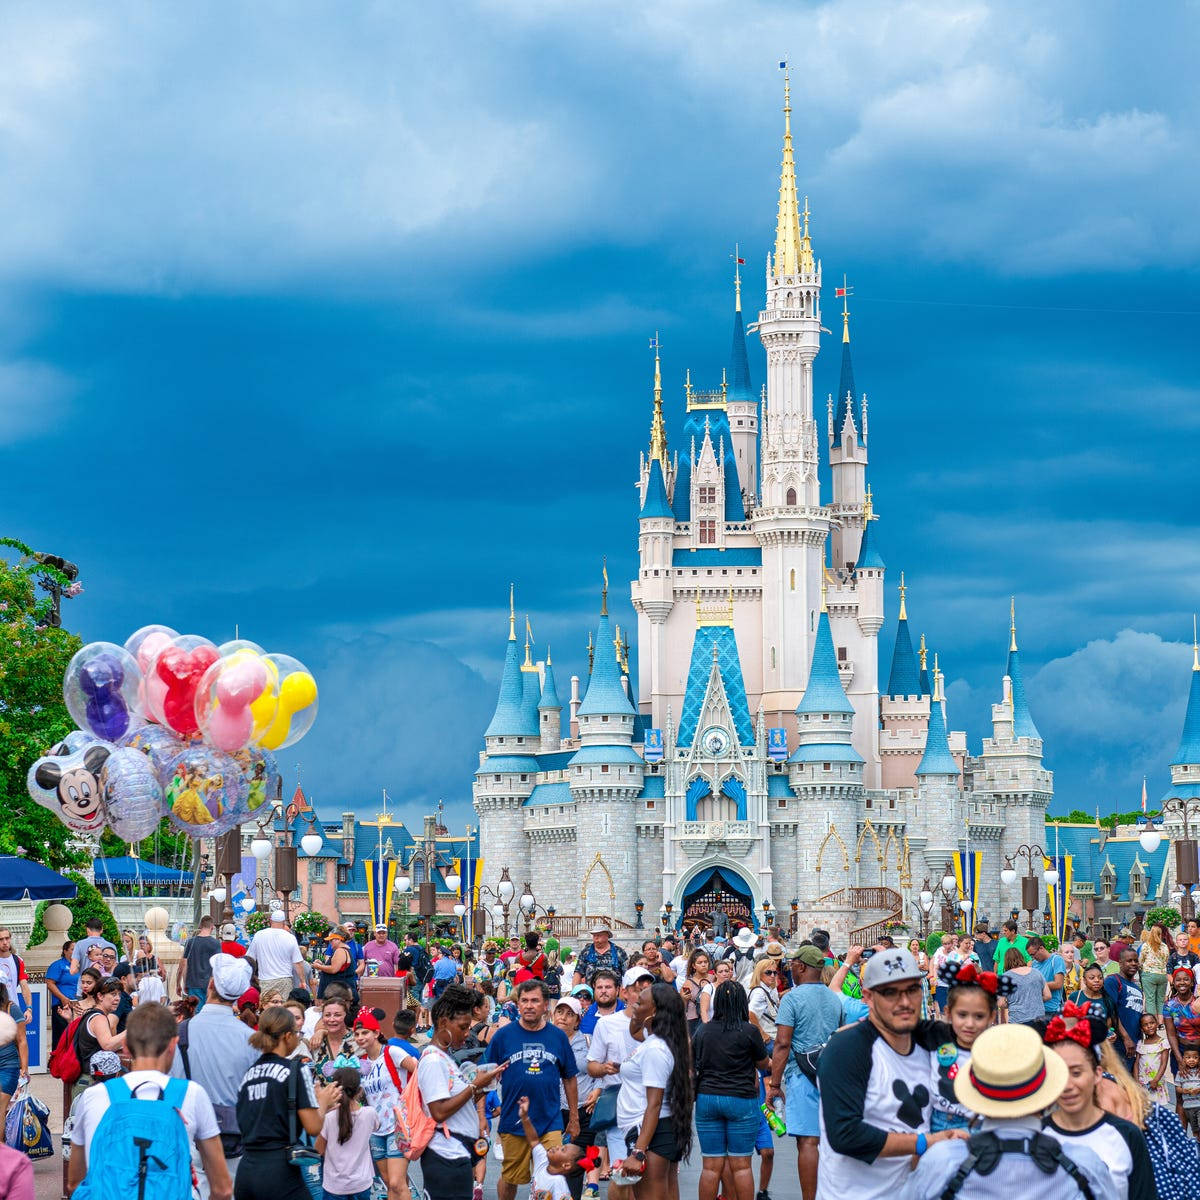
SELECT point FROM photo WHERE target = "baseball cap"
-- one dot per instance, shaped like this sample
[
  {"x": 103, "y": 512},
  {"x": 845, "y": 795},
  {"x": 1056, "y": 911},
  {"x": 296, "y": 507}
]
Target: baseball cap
[
  {"x": 810, "y": 956},
  {"x": 633, "y": 975},
  {"x": 890, "y": 966},
  {"x": 582, "y": 989},
  {"x": 366, "y": 1019},
  {"x": 230, "y": 976},
  {"x": 351, "y": 925},
  {"x": 381, "y": 927},
  {"x": 277, "y": 915},
  {"x": 228, "y": 932},
  {"x": 571, "y": 1003}
]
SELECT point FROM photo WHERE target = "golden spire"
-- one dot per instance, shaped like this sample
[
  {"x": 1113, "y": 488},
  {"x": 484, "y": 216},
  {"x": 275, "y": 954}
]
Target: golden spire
[
  {"x": 1012, "y": 624},
  {"x": 604, "y": 591},
  {"x": 787, "y": 225},
  {"x": 847, "y": 291},
  {"x": 868, "y": 506},
  {"x": 903, "y": 594},
  {"x": 591, "y": 653},
  {"x": 923, "y": 653},
  {"x": 737, "y": 278},
  {"x": 512, "y": 613},
  {"x": 824, "y": 594},
  {"x": 807, "y": 265},
  {"x": 658, "y": 429},
  {"x": 528, "y": 664}
]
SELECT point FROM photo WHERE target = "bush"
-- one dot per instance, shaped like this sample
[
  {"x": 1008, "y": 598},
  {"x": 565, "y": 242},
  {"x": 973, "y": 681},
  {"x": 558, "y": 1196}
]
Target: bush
[
  {"x": 933, "y": 941},
  {"x": 1164, "y": 915},
  {"x": 88, "y": 903},
  {"x": 255, "y": 921}
]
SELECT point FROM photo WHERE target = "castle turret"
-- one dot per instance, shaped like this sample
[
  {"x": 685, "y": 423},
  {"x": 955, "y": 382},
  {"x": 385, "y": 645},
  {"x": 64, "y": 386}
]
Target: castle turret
[
  {"x": 847, "y": 455},
  {"x": 903, "y": 708},
  {"x": 1185, "y": 766},
  {"x": 550, "y": 711},
  {"x": 742, "y": 404},
  {"x": 941, "y": 814}
]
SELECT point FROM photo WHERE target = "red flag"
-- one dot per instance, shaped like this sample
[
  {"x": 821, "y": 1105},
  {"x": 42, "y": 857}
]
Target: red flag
[
  {"x": 839, "y": 291},
  {"x": 741, "y": 262}
]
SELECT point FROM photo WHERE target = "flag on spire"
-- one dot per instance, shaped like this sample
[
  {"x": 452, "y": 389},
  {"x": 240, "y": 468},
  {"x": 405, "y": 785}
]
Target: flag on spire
[{"x": 1143, "y": 793}]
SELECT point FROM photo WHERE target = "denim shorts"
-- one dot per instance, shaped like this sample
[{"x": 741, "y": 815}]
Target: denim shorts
[
  {"x": 365, "y": 1195},
  {"x": 802, "y": 1107},
  {"x": 8, "y": 1079},
  {"x": 727, "y": 1125},
  {"x": 384, "y": 1145}
]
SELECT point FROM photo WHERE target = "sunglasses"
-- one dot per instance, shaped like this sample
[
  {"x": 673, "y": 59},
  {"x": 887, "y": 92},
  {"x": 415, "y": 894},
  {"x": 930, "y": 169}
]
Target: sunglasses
[{"x": 766, "y": 973}]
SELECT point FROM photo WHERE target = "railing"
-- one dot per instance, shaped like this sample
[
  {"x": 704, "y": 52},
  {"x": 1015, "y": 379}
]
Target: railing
[
  {"x": 863, "y": 897},
  {"x": 572, "y": 925},
  {"x": 716, "y": 831}
]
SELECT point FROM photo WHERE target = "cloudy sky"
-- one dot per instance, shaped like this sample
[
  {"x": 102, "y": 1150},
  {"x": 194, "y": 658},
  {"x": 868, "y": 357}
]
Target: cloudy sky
[{"x": 327, "y": 321}]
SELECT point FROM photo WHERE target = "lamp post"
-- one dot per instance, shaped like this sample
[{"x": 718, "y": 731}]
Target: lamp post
[
  {"x": 502, "y": 895},
  {"x": 638, "y": 905},
  {"x": 924, "y": 903},
  {"x": 229, "y": 863},
  {"x": 948, "y": 890},
  {"x": 1187, "y": 874},
  {"x": 668, "y": 910},
  {"x": 1031, "y": 891}
]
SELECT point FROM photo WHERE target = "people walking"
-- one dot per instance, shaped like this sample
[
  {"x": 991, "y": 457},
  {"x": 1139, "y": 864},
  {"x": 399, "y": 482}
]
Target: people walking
[
  {"x": 1152, "y": 966},
  {"x": 194, "y": 968},
  {"x": 277, "y": 957},
  {"x": 1030, "y": 993},
  {"x": 1126, "y": 994},
  {"x": 345, "y": 1142},
  {"x": 602, "y": 953}
]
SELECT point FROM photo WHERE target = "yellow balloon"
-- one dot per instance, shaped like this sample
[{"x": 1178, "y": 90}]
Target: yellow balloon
[{"x": 297, "y": 691}]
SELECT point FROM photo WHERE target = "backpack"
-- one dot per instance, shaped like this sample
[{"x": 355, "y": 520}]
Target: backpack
[
  {"x": 140, "y": 1150},
  {"x": 984, "y": 1151},
  {"x": 414, "y": 1126},
  {"x": 64, "y": 1061}
]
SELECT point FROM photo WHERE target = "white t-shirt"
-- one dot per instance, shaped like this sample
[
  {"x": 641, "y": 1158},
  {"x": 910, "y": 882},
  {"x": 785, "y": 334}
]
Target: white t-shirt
[
  {"x": 612, "y": 1042},
  {"x": 650, "y": 1066},
  {"x": 440, "y": 1077},
  {"x": 197, "y": 1110},
  {"x": 764, "y": 1004},
  {"x": 151, "y": 990},
  {"x": 380, "y": 1088},
  {"x": 679, "y": 965},
  {"x": 546, "y": 1186},
  {"x": 275, "y": 951}
]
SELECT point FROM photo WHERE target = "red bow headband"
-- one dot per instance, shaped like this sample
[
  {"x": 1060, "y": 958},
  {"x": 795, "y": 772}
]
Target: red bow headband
[
  {"x": 589, "y": 1160},
  {"x": 1057, "y": 1031},
  {"x": 968, "y": 974}
]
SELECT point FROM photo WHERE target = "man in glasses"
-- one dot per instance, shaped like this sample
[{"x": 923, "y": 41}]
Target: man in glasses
[{"x": 874, "y": 1082}]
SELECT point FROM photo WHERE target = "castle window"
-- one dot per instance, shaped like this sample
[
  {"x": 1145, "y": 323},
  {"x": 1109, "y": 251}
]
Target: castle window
[
  {"x": 604, "y": 718},
  {"x": 524, "y": 778},
  {"x": 708, "y": 533},
  {"x": 782, "y": 804},
  {"x": 868, "y": 801},
  {"x": 520, "y": 741},
  {"x": 495, "y": 778},
  {"x": 791, "y": 496},
  {"x": 824, "y": 716},
  {"x": 708, "y": 495},
  {"x": 604, "y": 768},
  {"x": 827, "y": 766},
  {"x": 343, "y": 876},
  {"x": 317, "y": 872},
  {"x": 891, "y": 802},
  {"x": 841, "y": 654},
  {"x": 418, "y": 871},
  {"x": 649, "y": 803}
]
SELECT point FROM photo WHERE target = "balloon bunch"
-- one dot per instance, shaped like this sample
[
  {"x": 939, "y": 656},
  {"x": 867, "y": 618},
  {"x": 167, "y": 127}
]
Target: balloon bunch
[{"x": 171, "y": 724}]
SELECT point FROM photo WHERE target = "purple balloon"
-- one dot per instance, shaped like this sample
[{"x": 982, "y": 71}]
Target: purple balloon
[{"x": 100, "y": 680}]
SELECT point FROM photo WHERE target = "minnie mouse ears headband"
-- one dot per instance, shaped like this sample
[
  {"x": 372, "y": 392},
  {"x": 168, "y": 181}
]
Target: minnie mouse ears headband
[
  {"x": 1087, "y": 1030},
  {"x": 589, "y": 1159},
  {"x": 967, "y": 974}
]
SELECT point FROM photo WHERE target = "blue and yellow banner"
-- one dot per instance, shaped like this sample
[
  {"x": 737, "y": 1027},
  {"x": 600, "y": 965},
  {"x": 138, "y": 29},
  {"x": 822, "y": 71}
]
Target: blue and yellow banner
[
  {"x": 470, "y": 872},
  {"x": 379, "y": 888},
  {"x": 967, "y": 870},
  {"x": 1059, "y": 895}
]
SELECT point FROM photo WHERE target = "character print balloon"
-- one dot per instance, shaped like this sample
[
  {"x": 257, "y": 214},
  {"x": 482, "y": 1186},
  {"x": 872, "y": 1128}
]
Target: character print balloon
[{"x": 69, "y": 786}]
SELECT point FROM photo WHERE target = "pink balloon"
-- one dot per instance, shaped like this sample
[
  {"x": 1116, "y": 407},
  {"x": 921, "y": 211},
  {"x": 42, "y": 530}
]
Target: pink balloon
[
  {"x": 229, "y": 728},
  {"x": 241, "y": 683}
]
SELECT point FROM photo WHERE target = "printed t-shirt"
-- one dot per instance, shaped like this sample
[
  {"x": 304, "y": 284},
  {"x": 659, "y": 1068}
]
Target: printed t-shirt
[
  {"x": 1130, "y": 1002},
  {"x": 348, "y": 1168},
  {"x": 439, "y": 1077},
  {"x": 380, "y": 1089},
  {"x": 946, "y": 1061},
  {"x": 197, "y": 1110},
  {"x": 1047, "y": 969},
  {"x": 262, "y": 1103},
  {"x": 537, "y": 1059},
  {"x": 1186, "y": 1016},
  {"x": 1121, "y": 1146},
  {"x": 544, "y": 1185},
  {"x": 650, "y": 1067},
  {"x": 385, "y": 956}
]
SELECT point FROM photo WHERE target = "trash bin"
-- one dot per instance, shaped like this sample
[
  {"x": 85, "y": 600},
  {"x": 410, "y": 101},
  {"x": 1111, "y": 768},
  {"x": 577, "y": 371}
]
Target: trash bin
[{"x": 391, "y": 995}]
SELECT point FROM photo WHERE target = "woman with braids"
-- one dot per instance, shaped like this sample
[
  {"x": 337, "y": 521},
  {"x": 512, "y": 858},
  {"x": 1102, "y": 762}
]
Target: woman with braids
[
  {"x": 452, "y": 1094},
  {"x": 728, "y": 1052},
  {"x": 1173, "y": 1154},
  {"x": 654, "y": 1103},
  {"x": 1080, "y": 1118}
]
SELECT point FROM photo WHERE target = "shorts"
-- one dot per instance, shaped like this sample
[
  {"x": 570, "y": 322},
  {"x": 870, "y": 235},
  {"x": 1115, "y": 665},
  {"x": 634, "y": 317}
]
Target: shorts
[
  {"x": 364, "y": 1195},
  {"x": 802, "y": 1108},
  {"x": 727, "y": 1125},
  {"x": 384, "y": 1145},
  {"x": 8, "y": 1079},
  {"x": 518, "y": 1154},
  {"x": 941, "y": 995},
  {"x": 662, "y": 1143}
]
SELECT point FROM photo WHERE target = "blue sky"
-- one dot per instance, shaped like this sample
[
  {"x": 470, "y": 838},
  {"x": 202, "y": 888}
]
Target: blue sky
[{"x": 331, "y": 321}]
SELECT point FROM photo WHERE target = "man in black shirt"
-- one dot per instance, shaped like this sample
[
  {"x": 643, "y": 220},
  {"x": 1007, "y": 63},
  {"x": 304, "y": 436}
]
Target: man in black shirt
[{"x": 195, "y": 970}]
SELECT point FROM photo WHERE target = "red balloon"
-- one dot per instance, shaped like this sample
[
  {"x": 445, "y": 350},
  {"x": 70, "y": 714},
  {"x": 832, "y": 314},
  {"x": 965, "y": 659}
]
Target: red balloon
[{"x": 181, "y": 670}]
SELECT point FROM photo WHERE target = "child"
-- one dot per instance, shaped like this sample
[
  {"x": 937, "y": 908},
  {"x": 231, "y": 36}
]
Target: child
[
  {"x": 970, "y": 1007},
  {"x": 550, "y": 1167},
  {"x": 150, "y": 989},
  {"x": 345, "y": 1141},
  {"x": 1187, "y": 1088},
  {"x": 1151, "y": 1059}
]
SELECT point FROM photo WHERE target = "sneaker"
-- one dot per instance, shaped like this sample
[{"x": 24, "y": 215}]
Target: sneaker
[{"x": 763, "y": 1195}]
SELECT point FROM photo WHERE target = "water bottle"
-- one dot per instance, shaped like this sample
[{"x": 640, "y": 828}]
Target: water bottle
[{"x": 774, "y": 1118}]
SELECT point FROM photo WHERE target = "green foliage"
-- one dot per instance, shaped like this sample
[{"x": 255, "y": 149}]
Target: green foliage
[
  {"x": 256, "y": 920},
  {"x": 1164, "y": 914},
  {"x": 933, "y": 941},
  {"x": 311, "y": 924},
  {"x": 88, "y": 903},
  {"x": 33, "y": 659},
  {"x": 1078, "y": 817},
  {"x": 1049, "y": 940},
  {"x": 166, "y": 846}
]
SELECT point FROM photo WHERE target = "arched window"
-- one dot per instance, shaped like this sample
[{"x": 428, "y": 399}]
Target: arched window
[
  {"x": 791, "y": 496},
  {"x": 418, "y": 871},
  {"x": 792, "y": 579}
]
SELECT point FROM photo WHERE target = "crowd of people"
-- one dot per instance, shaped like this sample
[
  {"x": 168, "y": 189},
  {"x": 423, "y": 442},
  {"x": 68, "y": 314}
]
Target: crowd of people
[{"x": 1001, "y": 1060}]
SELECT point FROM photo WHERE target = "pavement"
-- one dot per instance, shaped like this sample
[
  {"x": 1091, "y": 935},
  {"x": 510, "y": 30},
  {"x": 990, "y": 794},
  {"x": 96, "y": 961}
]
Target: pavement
[{"x": 48, "y": 1173}]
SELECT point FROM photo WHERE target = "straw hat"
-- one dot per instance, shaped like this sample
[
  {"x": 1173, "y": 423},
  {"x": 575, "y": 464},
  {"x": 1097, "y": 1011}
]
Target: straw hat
[{"x": 1011, "y": 1074}]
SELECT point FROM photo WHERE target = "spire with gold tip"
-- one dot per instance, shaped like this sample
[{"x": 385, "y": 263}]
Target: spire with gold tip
[
  {"x": 937, "y": 759},
  {"x": 1023, "y": 725},
  {"x": 658, "y": 429},
  {"x": 793, "y": 249},
  {"x": 903, "y": 679},
  {"x": 1188, "y": 754},
  {"x": 511, "y": 717}
]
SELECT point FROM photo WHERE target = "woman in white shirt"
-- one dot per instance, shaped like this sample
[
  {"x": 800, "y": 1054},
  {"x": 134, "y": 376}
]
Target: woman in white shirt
[
  {"x": 764, "y": 999},
  {"x": 654, "y": 1104}
]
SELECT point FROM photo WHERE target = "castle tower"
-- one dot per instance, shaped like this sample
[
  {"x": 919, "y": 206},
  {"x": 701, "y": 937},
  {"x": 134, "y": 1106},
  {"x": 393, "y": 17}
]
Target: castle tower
[
  {"x": 1185, "y": 766},
  {"x": 942, "y": 815},
  {"x": 862, "y": 650},
  {"x": 790, "y": 524},
  {"x": 903, "y": 708},
  {"x": 550, "y": 711},
  {"x": 742, "y": 404},
  {"x": 847, "y": 454}
]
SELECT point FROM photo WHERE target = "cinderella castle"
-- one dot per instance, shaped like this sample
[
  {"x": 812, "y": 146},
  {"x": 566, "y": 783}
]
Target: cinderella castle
[{"x": 761, "y": 764}]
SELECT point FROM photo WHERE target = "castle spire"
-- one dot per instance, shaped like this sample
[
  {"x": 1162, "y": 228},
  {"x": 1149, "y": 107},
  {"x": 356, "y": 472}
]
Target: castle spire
[
  {"x": 923, "y": 654},
  {"x": 1188, "y": 754},
  {"x": 511, "y": 717},
  {"x": 903, "y": 595},
  {"x": 1023, "y": 725},
  {"x": 937, "y": 759},
  {"x": 846, "y": 408},
  {"x": 789, "y": 245},
  {"x": 658, "y": 429},
  {"x": 903, "y": 680},
  {"x": 512, "y": 612}
]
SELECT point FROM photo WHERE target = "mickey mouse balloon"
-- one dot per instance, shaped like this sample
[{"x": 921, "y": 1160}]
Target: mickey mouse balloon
[
  {"x": 102, "y": 690},
  {"x": 69, "y": 786},
  {"x": 174, "y": 679}
]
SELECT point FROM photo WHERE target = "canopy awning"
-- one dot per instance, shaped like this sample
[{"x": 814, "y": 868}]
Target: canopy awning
[
  {"x": 24, "y": 879},
  {"x": 135, "y": 870}
]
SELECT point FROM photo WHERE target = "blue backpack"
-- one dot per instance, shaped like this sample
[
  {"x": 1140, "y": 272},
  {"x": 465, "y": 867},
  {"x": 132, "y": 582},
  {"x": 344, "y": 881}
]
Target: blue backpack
[{"x": 140, "y": 1150}]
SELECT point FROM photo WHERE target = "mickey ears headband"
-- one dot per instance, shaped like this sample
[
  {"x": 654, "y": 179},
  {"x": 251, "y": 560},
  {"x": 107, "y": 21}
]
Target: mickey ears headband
[
  {"x": 967, "y": 974},
  {"x": 589, "y": 1159}
]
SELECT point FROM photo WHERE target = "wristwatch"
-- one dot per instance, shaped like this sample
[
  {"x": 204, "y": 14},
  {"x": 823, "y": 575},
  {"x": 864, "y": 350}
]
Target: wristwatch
[
  {"x": 640, "y": 1155},
  {"x": 922, "y": 1144}
]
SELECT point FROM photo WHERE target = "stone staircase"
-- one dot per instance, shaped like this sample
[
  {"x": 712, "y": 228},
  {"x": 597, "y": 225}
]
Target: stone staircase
[{"x": 868, "y": 899}]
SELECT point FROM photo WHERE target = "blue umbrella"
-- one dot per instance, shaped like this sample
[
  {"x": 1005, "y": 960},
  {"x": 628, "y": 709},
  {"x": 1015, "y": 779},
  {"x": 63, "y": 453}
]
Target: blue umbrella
[{"x": 22, "y": 879}]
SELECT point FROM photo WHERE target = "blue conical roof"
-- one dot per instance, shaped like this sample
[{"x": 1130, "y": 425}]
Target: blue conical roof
[
  {"x": 824, "y": 692},
  {"x": 656, "y": 504},
  {"x": 868, "y": 555},
  {"x": 926, "y": 689},
  {"x": 549, "y": 697},
  {"x": 1188, "y": 753},
  {"x": 903, "y": 680},
  {"x": 715, "y": 642},
  {"x": 509, "y": 718},
  {"x": 739, "y": 362},
  {"x": 605, "y": 693},
  {"x": 1023, "y": 725},
  {"x": 847, "y": 403},
  {"x": 937, "y": 759}
]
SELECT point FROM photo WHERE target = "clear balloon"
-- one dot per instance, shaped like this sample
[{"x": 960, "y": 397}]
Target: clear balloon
[
  {"x": 236, "y": 700},
  {"x": 159, "y": 745},
  {"x": 133, "y": 794},
  {"x": 69, "y": 786},
  {"x": 102, "y": 690},
  {"x": 295, "y": 700},
  {"x": 262, "y": 775},
  {"x": 145, "y": 645},
  {"x": 75, "y": 740},
  {"x": 206, "y": 793},
  {"x": 227, "y": 649},
  {"x": 174, "y": 679}
]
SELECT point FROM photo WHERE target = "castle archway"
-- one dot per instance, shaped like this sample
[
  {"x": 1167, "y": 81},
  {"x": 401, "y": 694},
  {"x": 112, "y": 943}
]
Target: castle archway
[{"x": 713, "y": 887}]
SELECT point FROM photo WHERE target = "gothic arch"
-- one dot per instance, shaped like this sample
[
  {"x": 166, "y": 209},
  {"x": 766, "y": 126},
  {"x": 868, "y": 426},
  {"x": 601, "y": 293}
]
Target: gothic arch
[
  {"x": 837, "y": 837},
  {"x": 598, "y": 861},
  {"x": 869, "y": 828}
]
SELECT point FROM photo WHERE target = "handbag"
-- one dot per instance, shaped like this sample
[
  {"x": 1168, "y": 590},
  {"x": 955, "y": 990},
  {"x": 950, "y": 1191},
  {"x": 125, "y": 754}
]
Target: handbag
[
  {"x": 27, "y": 1126},
  {"x": 303, "y": 1156},
  {"x": 604, "y": 1111}
]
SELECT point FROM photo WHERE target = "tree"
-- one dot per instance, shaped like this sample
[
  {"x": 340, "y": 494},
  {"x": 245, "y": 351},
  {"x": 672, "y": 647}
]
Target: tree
[{"x": 34, "y": 654}]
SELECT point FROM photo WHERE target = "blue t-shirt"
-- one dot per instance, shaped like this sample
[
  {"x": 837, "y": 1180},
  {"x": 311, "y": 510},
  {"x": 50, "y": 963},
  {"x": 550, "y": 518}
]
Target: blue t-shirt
[
  {"x": 59, "y": 973},
  {"x": 446, "y": 969},
  {"x": 1047, "y": 969},
  {"x": 1130, "y": 1002},
  {"x": 588, "y": 1023},
  {"x": 407, "y": 1047},
  {"x": 537, "y": 1060}
]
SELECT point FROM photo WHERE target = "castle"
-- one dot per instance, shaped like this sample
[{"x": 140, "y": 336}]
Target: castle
[{"x": 759, "y": 764}]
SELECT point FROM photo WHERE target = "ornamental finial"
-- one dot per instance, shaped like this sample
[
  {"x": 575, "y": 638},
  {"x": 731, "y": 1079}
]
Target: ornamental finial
[
  {"x": 604, "y": 590},
  {"x": 512, "y": 612},
  {"x": 658, "y": 429},
  {"x": 903, "y": 595},
  {"x": 1012, "y": 624}
]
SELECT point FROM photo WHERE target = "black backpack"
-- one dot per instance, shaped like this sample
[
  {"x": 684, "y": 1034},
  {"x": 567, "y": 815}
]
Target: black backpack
[{"x": 984, "y": 1151}]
